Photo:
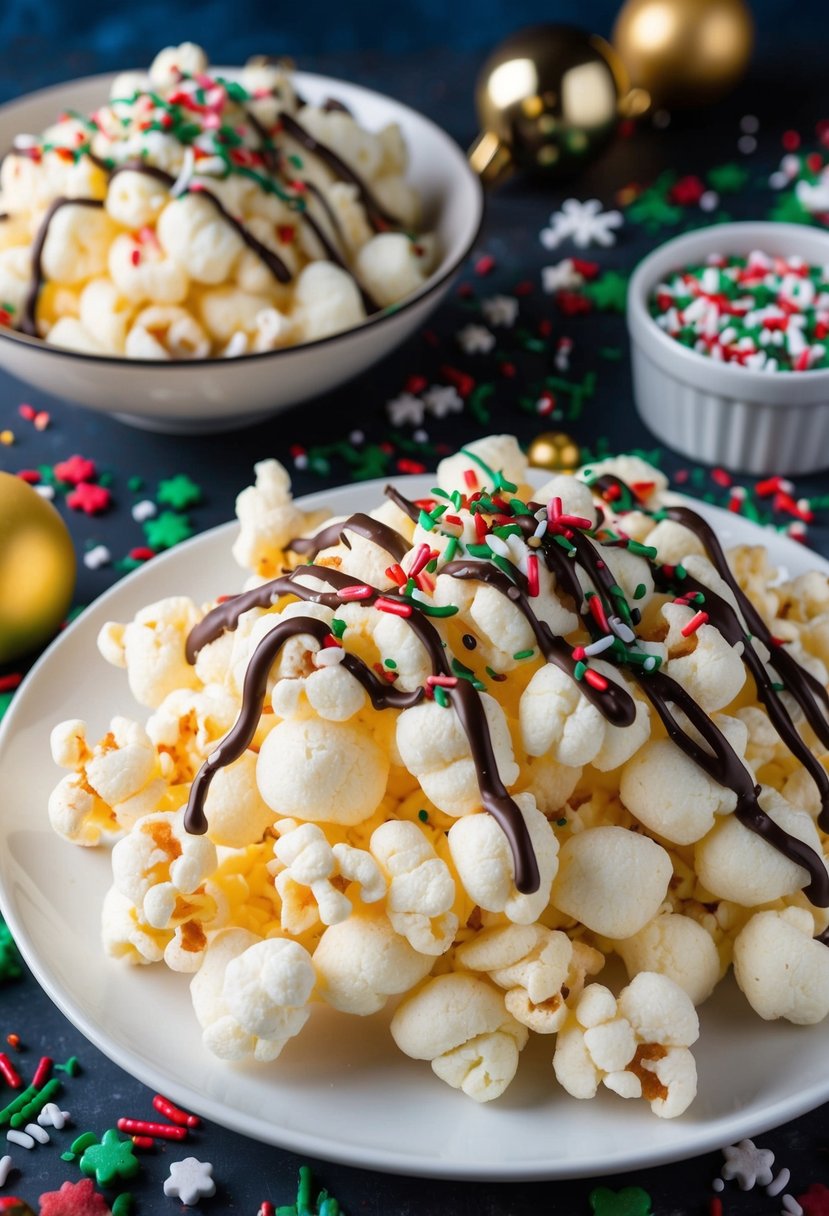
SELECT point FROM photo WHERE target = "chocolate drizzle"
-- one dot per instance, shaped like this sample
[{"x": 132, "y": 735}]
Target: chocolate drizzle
[
  {"x": 28, "y": 318},
  {"x": 405, "y": 504},
  {"x": 380, "y": 219},
  {"x": 361, "y": 525}
]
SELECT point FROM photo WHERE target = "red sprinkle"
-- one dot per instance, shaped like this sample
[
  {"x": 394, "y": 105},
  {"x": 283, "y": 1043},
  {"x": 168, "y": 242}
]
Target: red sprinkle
[
  {"x": 721, "y": 478},
  {"x": 790, "y": 140},
  {"x": 470, "y": 478},
  {"x": 715, "y": 1206},
  {"x": 141, "y": 553},
  {"x": 10, "y": 1074},
  {"x": 393, "y": 607},
  {"x": 422, "y": 557},
  {"x": 699, "y": 618},
  {"x": 771, "y": 486},
  {"x": 532, "y": 575},
  {"x": 182, "y": 1117},
  {"x": 42, "y": 1072},
  {"x": 598, "y": 613},
  {"x": 441, "y": 681},
  {"x": 596, "y": 680},
  {"x": 27, "y": 412},
  {"x": 13, "y": 1040},
  {"x": 163, "y": 1130},
  {"x": 484, "y": 264},
  {"x": 579, "y": 654},
  {"x": 30, "y": 476},
  {"x": 397, "y": 574},
  {"x": 144, "y": 1142},
  {"x": 463, "y": 382},
  {"x": 75, "y": 470},
  {"x": 359, "y": 592},
  {"x": 89, "y": 498},
  {"x": 525, "y": 288},
  {"x": 7, "y": 683},
  {"x": 266, "y": 1208}
]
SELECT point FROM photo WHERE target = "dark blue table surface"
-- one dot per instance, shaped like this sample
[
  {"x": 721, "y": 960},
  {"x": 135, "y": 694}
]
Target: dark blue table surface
[{"x": 788, "y": 92}]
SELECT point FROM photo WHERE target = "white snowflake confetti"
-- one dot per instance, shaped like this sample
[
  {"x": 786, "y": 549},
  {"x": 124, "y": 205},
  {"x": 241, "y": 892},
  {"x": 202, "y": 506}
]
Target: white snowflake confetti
[
  {"x": 405, "y": 409},
  {"x": 53, "y": 1116},
  {"x": 563, "y": 276},
  {"x": 443, "y": 399},
  {"x": 475, "y": 340},
  {"x": 583, "y": 223},
  {"x": 748, "y": 1164},
  {"x": 96, "y": 557},
  {"x": 500, "y": 310},
  {"x": 190, "y": 1180}
]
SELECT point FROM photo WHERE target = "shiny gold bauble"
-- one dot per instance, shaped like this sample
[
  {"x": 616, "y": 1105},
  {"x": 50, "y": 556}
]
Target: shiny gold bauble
[
  {"x": 556, "y": 451},
  {"x": 684, "y": 52},
  {"x": 37, "y": 569},
  {"x": 548, "y": 100}
]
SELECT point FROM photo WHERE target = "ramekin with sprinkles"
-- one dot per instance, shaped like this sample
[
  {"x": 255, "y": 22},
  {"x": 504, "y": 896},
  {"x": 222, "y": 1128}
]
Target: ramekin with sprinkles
[
  {"x": 766, "y": 312},
  {"x": 753, "y": 299}
]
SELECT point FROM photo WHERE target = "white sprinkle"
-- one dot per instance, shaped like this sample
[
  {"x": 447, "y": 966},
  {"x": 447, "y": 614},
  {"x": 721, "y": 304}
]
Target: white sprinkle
[
  {"x": 144, "y": 510},
  {"x": 185, "y": 173},
  {"x": 709, "y": 201},
  {"x": 497, "y": 545},
  {"x": 6, "y": 1167},
  {"x": 330, "y": 656},
  {"x": 779, "y": 1183},
  {"x": 597, "y": 647},
  {"x": 649, "y": 664},
  {"x": 718, "y": 1185},
  {"x": 621, "y": 630},
  {"x": 301, "y": 461},
  {"x": 357, "y": 437},
  {"x": 15, "y": 1137},
  {"x": 749, "y": 124},
  {"x": 53, "y": 1116},
  {"x": 212, "y": 166},
  {"x": 417, "y": 594},
  {"x": 96, "y": 557},
  {"x": 47, "y": 492},
  {"x": 747, "y": 144},
  {"x": 778, "y": 180},
  {"x": 236, "y": 346},
  {"x": 421, "y": 436},
  {"x": 22, "y": 142},
  {"x": 791, "y": 1205},
  {"x": 661, "y": 119},
  {"x": 41, "y": 1135}
]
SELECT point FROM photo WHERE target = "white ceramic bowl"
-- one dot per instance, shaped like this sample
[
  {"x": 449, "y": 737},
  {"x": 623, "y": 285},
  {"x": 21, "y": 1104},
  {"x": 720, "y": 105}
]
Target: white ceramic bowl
[
  {"x": 721, "y": 413},
  {"x": 222, "y": 394}
]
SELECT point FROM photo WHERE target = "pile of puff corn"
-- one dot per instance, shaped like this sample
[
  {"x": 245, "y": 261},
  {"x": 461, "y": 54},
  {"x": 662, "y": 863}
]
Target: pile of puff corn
[
  {"x": 349, "y": 857},
  {"x": 186, "y": 217}
]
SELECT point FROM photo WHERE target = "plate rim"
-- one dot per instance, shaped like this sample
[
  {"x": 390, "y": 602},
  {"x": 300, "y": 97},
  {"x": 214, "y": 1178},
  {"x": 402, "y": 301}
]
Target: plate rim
[{"x": 702, "y": 1138}]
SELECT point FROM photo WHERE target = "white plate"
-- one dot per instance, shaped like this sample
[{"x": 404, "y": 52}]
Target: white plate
[{"x": 342, "y": 1090}]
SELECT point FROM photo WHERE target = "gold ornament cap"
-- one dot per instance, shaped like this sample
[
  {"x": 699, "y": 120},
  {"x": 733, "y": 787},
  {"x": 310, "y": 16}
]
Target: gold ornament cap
[
  {"x": 548, "y": 100},
  {"x": 37, "y": 569},
  {"x": 556, "y": 451}
]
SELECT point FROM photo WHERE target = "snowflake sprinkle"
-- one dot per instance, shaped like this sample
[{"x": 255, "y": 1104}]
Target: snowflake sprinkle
[
  {"x": 406, "y": 408},
  {"x": 749, "y": 1165},
  {"x": 443, "y": 399},
  {"x": 475, "y": 340},
  {"x": 500, "y": 310},
  {"x": 583, "y": 223}
]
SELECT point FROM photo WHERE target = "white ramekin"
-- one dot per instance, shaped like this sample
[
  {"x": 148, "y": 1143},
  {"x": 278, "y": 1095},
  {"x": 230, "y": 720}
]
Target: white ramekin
[{"x": 721, "y": 413}]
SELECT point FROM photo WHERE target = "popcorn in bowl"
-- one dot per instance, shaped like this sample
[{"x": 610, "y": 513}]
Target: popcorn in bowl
[
  {"x": 197, "y": 214},
  {"x": 450, "y": 757}
]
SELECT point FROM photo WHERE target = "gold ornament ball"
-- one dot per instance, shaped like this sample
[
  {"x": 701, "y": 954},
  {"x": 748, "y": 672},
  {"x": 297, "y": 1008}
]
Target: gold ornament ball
[
  {"x": 548, "y": 100},
  {"x": 37, "y": 569},
  {"x": 684, "y": 52},
  {"x": 556, "y": 451}
]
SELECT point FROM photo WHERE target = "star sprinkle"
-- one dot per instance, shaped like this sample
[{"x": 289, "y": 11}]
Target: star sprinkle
[
  {"x": 583, "y": 223},
  {"x": 75, "y": 470},
  {"x": 563, "y": 276},
  {"x": 10, "y": 1205},
  {"x": 727, "y": 179},
  {"x": 179, "y": 492},
  {"x": 190, "y": 1180},
  {"x": 442, "y": 399},
  {"x": 609, "y": 293},
  {"x": 89, "y": 498},
  {"x": 630, "y": 1201},
  {"x": 500, "y": 310},
  {"x": 167, "y": 530},
  {"x": 10, "y": 965},
  {"x": 406, "y": 408},
  {"x": 111, "y": 1160},
  {"x": 74, "y": 1199},
  {"x": 748, "y": 1165},
  {"x": 475, "y": 340}
]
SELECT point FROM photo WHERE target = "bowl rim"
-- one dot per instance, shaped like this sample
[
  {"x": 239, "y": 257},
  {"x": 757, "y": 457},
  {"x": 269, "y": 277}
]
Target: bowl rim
[
  {"x": 439, "y": 277},
  {"x": 785, "y": 390}
]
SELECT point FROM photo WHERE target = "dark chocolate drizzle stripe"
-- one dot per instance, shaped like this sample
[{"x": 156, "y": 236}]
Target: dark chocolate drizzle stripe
[
  {"x": 615, "y": 703},
  {"x": 803, "y": 686},
  {"x": 28, "y": 318},
  {"x": 405, "y": 504},
  {"x": 380, "y": 219},
  {"x": 465, "y": 700},
  {"x": 725, "y": 767},
  {"x": 362, "y": 525},
  {"x": 333, "y": 254}
]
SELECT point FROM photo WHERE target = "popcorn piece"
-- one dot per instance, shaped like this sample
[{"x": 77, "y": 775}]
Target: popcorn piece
[
  {"x": 327, "y": 301},
  {"x": 305, "y": 866},
  {"x": 165, "y": 332},
  {"x": 705, "y": 664},
  {"x": 540, "y": 969},
  {"x": 236, "y": 813},
  {"x": 392, "y": 266},
  {"x": 500, "y": 452},
  {"x": 678, "y": 947},
  {"x": 321, "y": 771},
  {"x": 435, "y": 749},
  {"x": 151, "y": 648},
  {"x": 612, "y": 880},
  {"x": 159, "y": 861},
  {"x": 459, "y": 1023},
  {"x": 268, "y": 519},
  {"x": 361, "y": 962},
  {"x": 636, "y": 1046},
  {"x": 76, "y": 244},
  {"x": 484, "y": 862},
  {"x": 250, "y": 996},
  {"x": 421, "y": 891},
  {"x": 781, "y": 968}
]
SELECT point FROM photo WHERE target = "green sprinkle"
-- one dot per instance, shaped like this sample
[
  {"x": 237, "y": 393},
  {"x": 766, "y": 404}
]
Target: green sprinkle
[
  {"x": 423, "y": 816},
  {"x": 561, "y": 823},
  {"x": 122, "y": 1204},
  {"x": 21, "y": 1117},
  {"x": 70, "y": 1157},
  {"x": 579, "y": 670},
  {"x": 432, "y": 566},
  {"x": 437, "y": 492},
  {"x": 524, "y": 654},
  {"x": 338, "y": 627},
  {"x": 642, "y": 550},
  {"x": 390, "y": 663},
  {"x": 640, "y": 592},
  {"x": 479, "y": 550},
  {"x": 425, "y": 521},
  {"x": 16, "y": 1104},
  {"x": 680, "y": 572},
  {"x": 449, "y": 551},
  {"x": 504, "y": 565},
  {"x": 505, "y": 530},
  {"x": 83, "y": 1142},
  {"x": 11, "y": 967},
  {"x": 441, "y": 698},
  {"x": 72, "y": 1066},
  {"x": 431, "y": 609},
  {"x": 565, "y": 544}
]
